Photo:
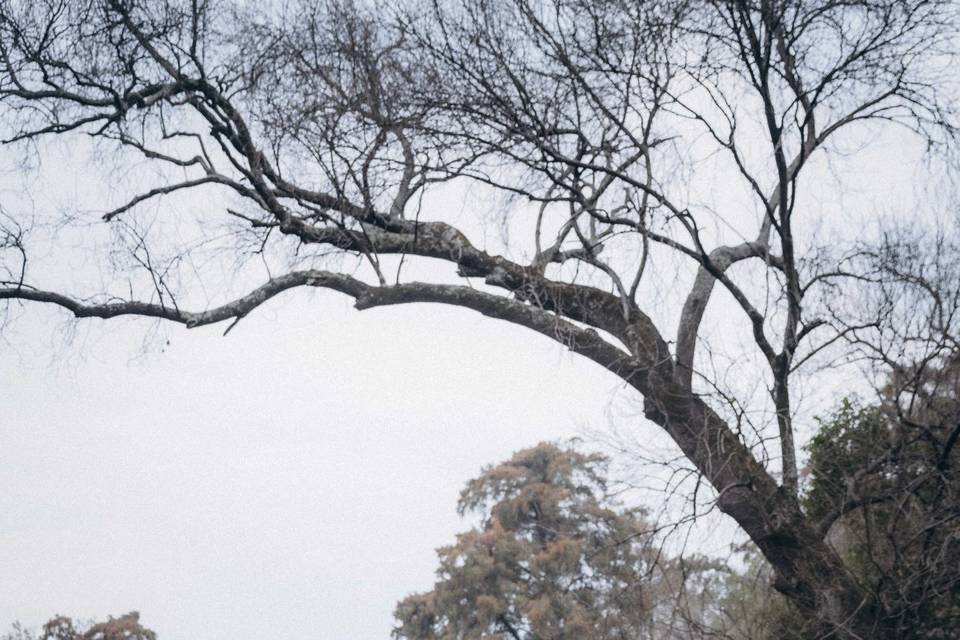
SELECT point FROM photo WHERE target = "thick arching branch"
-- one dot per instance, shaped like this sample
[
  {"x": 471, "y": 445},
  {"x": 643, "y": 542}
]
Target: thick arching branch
[
  {"x": 234, "y": 309},
  {"x": 584, "y": 341}
]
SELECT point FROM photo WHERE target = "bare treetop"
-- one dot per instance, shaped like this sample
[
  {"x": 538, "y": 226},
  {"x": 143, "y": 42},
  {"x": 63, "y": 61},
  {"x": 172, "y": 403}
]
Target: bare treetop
[{"x": 648, "y": 152}]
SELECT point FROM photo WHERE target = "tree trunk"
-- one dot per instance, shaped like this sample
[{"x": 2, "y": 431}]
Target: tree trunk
[{"x": 807, "y": 570}]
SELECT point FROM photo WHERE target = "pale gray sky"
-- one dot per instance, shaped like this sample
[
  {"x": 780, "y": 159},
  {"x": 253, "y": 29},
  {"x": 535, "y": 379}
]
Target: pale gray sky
[{"x": 291, "y": 479}]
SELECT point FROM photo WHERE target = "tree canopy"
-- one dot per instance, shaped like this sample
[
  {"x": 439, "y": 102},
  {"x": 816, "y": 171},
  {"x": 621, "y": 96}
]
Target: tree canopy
[
  {"x": 884, "y": 485},
  {"x": 555, "y": 556},
  {"x": 126, "y": 627}
]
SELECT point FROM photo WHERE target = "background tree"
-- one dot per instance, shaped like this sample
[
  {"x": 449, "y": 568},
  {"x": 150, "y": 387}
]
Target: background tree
[
  {"x": 553, "y": 557},
  {"x": 881, "y": 480},
  {"x": 610, "y": 122},
  {"x": 884, "y": 485},
  {"x": 126, "y": 627},
  {"x": 746, "y": 607}
]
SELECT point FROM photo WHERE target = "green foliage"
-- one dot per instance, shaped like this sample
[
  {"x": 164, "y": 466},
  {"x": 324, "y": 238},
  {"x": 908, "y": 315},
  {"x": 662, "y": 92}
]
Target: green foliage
[
  {"x": 884, "y": 484},
  {"x": 553, "y": 558},
  {"x": 844, "y": 442}
]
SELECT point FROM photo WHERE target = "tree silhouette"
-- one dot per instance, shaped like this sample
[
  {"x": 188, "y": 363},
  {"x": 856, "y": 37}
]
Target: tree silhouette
[{"x": 609, "y": 123}]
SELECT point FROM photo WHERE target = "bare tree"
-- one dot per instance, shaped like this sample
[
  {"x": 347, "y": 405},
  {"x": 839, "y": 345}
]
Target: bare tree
[{"x": 607, "y": 122}]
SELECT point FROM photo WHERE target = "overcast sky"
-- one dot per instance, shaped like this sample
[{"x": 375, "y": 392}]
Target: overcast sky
[{"x": 291, "y": 479}]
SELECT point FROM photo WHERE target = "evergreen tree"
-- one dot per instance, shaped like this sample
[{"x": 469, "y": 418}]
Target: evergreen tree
[{"x": 553, "y": 558}]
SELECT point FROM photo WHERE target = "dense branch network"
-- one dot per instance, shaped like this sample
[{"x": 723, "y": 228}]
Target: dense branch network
[{"x": 330, "y": 126}]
